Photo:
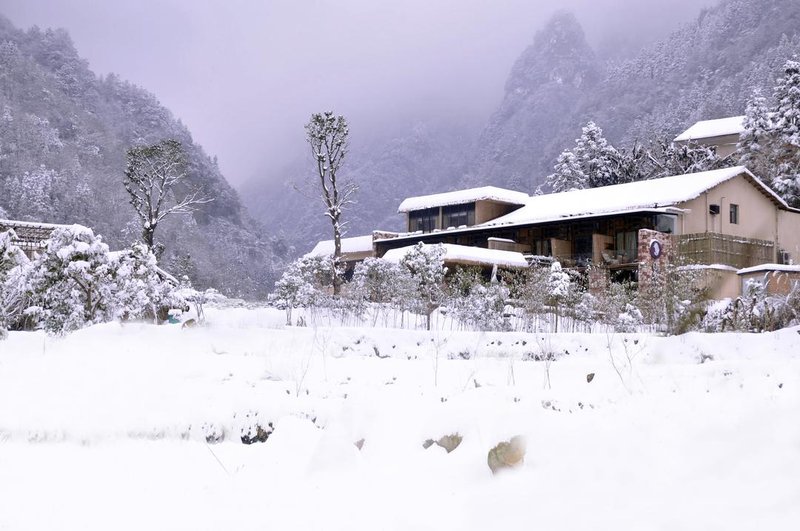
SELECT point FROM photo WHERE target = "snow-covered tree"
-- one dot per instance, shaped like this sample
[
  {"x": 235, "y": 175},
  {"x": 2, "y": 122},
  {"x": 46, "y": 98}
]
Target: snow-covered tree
[
  {"x": 71, "y": 282},
  {"x": 33, "y": 196},
  {"x": 380, "y": 281},
  {"x": 303, "y": 283},
  {"x": 567, "y": 174},
  {"x": 328, "y": 137},
  {"x": 139, "y": 289},
  {"x": 787, "y": 125},
  {"x": 154, "y": 177},
  {"x": 666, "y": 158},
  {"x": 483, "y": 308},
  {"x": 754, "y": 142},
  {"x": 558, "y": 288},
  {"x": 596, "y": 157},
  {"x": 425, "y": 263},
  {"x": 770, "y": 144}
]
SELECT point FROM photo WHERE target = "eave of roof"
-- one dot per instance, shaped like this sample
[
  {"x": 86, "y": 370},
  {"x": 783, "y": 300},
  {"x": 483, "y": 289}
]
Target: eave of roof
[{"x": 460, "y": 197}]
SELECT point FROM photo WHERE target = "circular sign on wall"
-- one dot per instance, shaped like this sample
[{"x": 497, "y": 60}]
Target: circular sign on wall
[{"x": 655, "y": 249}]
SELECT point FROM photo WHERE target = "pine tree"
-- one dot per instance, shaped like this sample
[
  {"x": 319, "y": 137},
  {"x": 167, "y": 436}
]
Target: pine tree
[
  {"x": 70, "y": 284},
  {"x": 596, "y": 157},
  {"x": 754, "y": 142},
  {"x": 787, "y": 125},
  {"x": 568, "y": 174},
  {"x": 770, "y": 144}
]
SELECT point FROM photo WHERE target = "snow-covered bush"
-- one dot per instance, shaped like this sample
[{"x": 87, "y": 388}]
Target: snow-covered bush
[
  {"x": 380, "y": 281},
  {"x": 561, "y": 293},
  {"x": 71, "y": 283},
  {"x": 757, "y": 311},
  {"x": 425, "y": 263},
  {"x": 304, "y": 283},
  {"x": 483, "y": 308},
  {"x": 140, "y": 292},
  {"x": 616, "y": 306}
]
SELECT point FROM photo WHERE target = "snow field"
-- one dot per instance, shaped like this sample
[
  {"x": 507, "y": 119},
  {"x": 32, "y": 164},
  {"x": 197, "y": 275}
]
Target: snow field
[{"x": 107, "y": 426}]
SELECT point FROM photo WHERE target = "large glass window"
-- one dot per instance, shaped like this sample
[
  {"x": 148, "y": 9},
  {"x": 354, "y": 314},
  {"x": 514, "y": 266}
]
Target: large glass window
[
  {"x": 458, "y": 215},
  {"x": 542, "y": 247},
  {"x": 628, "y": 246},
  {"x": 424, "y": 220}
]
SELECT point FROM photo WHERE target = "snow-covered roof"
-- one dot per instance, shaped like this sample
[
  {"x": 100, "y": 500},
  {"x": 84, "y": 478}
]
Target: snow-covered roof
[
  {"x": 713, "y": 128},
  {"x": 460, "y": 197},
  {"x": 655, "y": 194},
  {"x": 467, "y": 255},
  {"x": 356, "y": 244},
  {"x": 715, "y": 267},
  {"x": 764, "y": 268},
  {"x": 33, "y": 224}
]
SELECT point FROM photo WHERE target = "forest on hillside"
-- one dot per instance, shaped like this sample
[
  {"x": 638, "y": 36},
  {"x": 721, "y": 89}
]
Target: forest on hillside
[{"x": 63, "y": 143}]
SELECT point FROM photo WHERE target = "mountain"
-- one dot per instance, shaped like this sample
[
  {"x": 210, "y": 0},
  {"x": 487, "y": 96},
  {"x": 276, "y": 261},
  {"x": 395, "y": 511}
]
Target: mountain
[
  {"x": 63, "y": 142},
  {"x": 707, "y": 69},
  {"x": 554, "y": 73}
]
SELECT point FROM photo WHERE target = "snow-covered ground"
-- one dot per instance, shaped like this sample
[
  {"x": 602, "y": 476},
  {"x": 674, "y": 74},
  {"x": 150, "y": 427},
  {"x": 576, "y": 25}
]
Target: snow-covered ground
[{"x": 108, "y": 428}]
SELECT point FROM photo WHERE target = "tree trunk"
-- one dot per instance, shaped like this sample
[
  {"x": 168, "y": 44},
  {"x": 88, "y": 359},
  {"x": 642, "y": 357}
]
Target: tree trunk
[
  {"x": 149, "y": 236},
  {"x": 337, "y": 255}
]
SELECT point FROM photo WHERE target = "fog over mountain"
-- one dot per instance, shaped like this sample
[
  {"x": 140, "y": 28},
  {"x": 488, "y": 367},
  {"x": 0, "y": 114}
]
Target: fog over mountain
[{"x": 244, "y": 76}]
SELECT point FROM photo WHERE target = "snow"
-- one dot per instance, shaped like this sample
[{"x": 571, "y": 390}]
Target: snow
[
  {"x": 36, "y": 225},
  {"x": 717, "y": 267},
  {"x": 713, "y": 128},
  {"x": 460, "y": 197},
  {"x": 106, "y": 428},
  {"x": 356, "y": 244},
  {"x": 466, "y": 254},
  {"x": 641, "y": 195},
  {"x": 770, "y": 267}
]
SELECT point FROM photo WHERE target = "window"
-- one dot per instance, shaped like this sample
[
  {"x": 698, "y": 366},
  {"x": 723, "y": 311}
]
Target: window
[
  {"x": 424, "y": 220},
  {"x": 665, "y": 223},
  {"x": 734, "y": 214},
  {"x": 457, "y": 215},
  {"x": 627, "y": 246},
  {"x": 542, "y": 247}
]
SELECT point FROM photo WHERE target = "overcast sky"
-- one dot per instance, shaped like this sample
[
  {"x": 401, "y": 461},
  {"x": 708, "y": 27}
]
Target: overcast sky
[{"x": 244, "y": 75}]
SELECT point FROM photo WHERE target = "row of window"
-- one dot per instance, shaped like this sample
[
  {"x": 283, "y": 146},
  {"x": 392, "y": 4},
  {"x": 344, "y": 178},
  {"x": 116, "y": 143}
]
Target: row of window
[{"x": 452, "y": 216}]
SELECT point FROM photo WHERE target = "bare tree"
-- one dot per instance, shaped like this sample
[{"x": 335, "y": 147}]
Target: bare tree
[
  {"x": 152, "y": 176},
  {"x": 327, "y": 135}
]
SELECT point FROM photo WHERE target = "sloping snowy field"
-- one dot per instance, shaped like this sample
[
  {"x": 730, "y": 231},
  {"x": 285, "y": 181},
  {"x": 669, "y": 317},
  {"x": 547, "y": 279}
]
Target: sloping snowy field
[{"x": 108, "y": 428}]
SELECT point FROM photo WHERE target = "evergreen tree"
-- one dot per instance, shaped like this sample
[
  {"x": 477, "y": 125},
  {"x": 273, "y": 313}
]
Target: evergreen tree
[
  {"x": 787, "y": 125},
  {"x": 568, "y": 174},
  {"x": 770, "y": 144},
  {"x": 754, "y": 142},
  {"x": 596, "y": 157},
  {"x": 71, "y": 282}
]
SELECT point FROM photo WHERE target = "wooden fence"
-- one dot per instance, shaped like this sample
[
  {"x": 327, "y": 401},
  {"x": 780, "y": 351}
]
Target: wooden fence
[{"x": 735, "y": 251}]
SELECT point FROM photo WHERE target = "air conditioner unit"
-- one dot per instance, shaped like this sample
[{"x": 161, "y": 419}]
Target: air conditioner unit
[{"x": 713, "y": 209}]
